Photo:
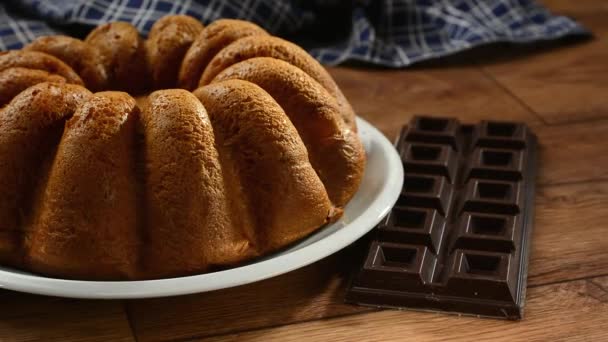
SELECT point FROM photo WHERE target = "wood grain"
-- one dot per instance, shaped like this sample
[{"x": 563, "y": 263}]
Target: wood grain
[
  {"x": 569, "y": 240},
  {"x": 565, "y": 84},
  {"x": 573, "y": 311},
  {"x": 560, "y": 252},
  {"x": 575, "y": 8},
  {"x": 566, "y": 230},
  {"x": 389, "y": 98},
  {"x": 310, "y": 293},
  {"x": 37, "y": 318},
  {"x": 561, "y": 85},
  {"x": 573, "y": 152}
]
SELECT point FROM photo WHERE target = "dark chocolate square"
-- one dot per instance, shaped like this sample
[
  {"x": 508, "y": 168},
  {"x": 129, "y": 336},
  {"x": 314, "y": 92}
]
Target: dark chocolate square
[{"x": 458, "y": 239}]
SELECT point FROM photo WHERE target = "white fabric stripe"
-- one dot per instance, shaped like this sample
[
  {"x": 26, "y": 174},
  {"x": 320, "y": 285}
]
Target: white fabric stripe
[
  {"x": 109, "y": 10},
  {"x": 185, "y": 7},
  {"x": 407, "y": 31},
  {"x": 22, "y": 38},
  {"x": 26, "y": 31},
  {"x": 146, "y": 17},
  {"x": 121, "y": 8},
  {"x": 137, "y": 22}
]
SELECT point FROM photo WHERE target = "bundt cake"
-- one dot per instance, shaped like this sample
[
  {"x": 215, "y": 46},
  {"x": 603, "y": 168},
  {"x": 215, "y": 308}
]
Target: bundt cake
[
  {"x": 83, "y": 58},
  {"x": 230, "y": 144}
]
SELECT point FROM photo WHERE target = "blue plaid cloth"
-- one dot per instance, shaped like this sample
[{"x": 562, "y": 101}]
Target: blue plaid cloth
[{"x": 392, "y": 33}]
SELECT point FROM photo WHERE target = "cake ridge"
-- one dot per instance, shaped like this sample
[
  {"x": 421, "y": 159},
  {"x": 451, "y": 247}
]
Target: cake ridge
[{"x": 185, "y": 180}]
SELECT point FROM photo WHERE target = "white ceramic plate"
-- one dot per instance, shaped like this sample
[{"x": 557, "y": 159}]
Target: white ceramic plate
[{"x": 378, "y": 192}]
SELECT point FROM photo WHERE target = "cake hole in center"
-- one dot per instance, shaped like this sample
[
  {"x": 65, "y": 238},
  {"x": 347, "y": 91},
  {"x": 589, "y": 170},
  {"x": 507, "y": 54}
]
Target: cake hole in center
[
  {"x": 425, "y": 152},
  {"x": 483, "y": 225},
  {"x": 494, "y": 158},
  {"x": 494, "y": 190}
]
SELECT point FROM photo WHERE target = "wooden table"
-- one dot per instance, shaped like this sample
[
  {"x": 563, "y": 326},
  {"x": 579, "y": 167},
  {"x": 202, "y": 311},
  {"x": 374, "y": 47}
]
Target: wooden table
[{"x": 561, "y": 91}]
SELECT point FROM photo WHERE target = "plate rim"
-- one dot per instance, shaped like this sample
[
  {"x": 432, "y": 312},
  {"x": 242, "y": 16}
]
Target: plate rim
[{"x": 274, "y": 266}]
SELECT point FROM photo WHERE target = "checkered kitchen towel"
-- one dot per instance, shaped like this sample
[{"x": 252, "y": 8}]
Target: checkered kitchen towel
[{"x": 392, "y": 33}]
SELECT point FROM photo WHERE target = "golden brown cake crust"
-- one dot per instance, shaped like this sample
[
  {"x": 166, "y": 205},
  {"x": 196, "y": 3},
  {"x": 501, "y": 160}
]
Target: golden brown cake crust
[
  {"x": 30, "y": 129},
  {"x": 168, "y": 41},
  {"x": 269, "y": 46},
  {"x": 334, "y": 149},
  {"x": 85, "y": 223},
  {"x": 38, "y": 61},
  {"x": 289, "y": 201},
  {"x": 15, "y": 80},
  {"x": 191, "y": 217},
  {"x": 82, "y": 57},
  {"x": 210, "y": 41},
  {"x": 108, "y": 187},
  {"x": 122, "y": 54}
]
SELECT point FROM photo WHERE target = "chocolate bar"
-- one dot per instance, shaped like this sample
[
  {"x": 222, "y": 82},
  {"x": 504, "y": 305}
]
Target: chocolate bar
[{"x": 458, "y": 238}]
